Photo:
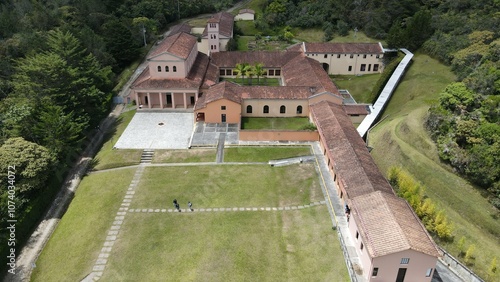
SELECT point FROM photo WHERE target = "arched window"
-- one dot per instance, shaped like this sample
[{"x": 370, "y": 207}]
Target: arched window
[
  {"x": 299, "y": 109},
  {"x": 159, "y": 68},
  {"x": 174, "y": 69},
  {"x": 166, "y": 69},
  {"x": 282, "y": 109},
  {"x": 266, "y": 109},
  {"x": 249, "y": 109}
]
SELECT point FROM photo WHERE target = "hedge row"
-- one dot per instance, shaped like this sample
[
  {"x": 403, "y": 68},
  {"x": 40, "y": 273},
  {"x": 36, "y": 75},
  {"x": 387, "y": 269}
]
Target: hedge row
[{"x": 386, "y": 75}]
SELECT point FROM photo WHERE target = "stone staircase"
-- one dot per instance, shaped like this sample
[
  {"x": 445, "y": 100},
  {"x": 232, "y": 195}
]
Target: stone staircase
[{"x": 147, "y": 156}]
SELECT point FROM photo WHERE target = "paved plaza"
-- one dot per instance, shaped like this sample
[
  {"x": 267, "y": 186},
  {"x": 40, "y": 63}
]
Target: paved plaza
[
  {"x": 207, "y": 134},
  {"x": 157, "y": 131}
]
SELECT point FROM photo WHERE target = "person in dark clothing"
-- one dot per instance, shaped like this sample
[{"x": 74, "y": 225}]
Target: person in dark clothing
[{"x": 190, "y": 205}]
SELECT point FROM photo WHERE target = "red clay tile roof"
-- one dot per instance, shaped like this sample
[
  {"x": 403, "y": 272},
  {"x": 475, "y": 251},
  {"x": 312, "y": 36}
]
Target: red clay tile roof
[
  {"x": 302, "y": 71},
  {"x": 242, "y": 11},
  {"x": 356, "y": 109},
  {"x": 226, "y": 22},
  {"x": 296, "y": 69},
  {"x": 351, "y": 160},
  {"x": 211, "y": 76},
  {"x": 342, "y": 48},
  {"x": 270, "y": 59},
  {"x": 387, "y": 225},
  {"x": 237, "y": 93},
  {"x": 179, "y": 45},
  {"x": 193, "y": 81},
  {"x": 182, "y": 27},
  {"x": 275, "y": 92},
  {"x": 223, "y": 90}
]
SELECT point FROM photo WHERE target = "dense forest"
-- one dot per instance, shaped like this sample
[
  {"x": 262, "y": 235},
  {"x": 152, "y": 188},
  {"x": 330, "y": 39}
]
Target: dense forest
[
  {"x": 59, "y": 60},
  {"x": 465, "y": 122}
]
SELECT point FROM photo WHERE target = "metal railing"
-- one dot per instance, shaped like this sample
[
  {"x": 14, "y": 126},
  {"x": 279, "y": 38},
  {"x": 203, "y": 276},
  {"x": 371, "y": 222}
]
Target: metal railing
[{"x": 459, "y": 268}]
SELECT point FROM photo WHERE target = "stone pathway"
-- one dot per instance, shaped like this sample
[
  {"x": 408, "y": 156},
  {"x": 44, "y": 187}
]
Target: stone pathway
[
  {"x": 287, "y": 208},
  {"x": 220, "y": 148},
  {"x": 337, "y": 213},
  {"x": 102, "y": 260}
]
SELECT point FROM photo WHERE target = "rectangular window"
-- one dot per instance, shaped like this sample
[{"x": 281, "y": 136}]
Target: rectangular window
[
  {"x": 361, "y": 246},
  {"x": 229, "y": 72},
  {"x": 338, "y": 56},
  {"x": 405, "y": 260},
  {"x": 375, "y": 67},
  {"x": 363, "y": 67},
  {"x": 223, "y": 108},
  {"x": 326, "y": 56},
  {"x": 352, "y": 56},
  {"x": 375, "y": 271},
  {"x": 428, "y": 273},
  {"x": 369, "y": 67},
  {"x": 357, "y": 233},
  {"x": 271, "y": 72},
  {"x": 378, "y": 56},
  {"x": 222, "y": 72},
  {"x": 349, "y": 68},
  {"x": 364, "y": 56},
  {"x": 277, "y": 72}
]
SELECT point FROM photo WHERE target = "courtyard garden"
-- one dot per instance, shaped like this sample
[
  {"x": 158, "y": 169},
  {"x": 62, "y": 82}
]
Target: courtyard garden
[{"x": 291, "y": 123}]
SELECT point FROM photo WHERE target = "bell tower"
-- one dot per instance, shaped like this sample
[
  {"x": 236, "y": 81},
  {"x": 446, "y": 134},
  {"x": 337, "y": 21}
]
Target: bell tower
[{"x": 213, "y": 35}]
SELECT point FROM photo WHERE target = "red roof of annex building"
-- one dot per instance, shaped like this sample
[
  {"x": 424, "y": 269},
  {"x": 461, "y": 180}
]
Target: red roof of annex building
[
  {"x": 387, "y": 224},
  {"x": 179, "y": 45},
  {"x": 351, "y": 160},
  {"x": 338, "y": 48}
]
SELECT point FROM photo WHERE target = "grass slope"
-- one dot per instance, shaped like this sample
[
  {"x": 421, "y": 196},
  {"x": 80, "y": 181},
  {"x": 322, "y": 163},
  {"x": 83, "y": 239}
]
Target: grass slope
[
  {"x": 360, "y": 87},
  {"x": 401, "y": 139},
  {"x": 73, "y": 248},
  {"x": 109, "y": 157}
]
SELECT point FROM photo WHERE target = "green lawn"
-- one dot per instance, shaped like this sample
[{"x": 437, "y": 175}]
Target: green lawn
[
  {"x": 263, "y": 154},
  {"x": 243, "y": 42},
  {"x": 316, "y": 35},
  {"x": 109, "y": 157},
  {"x": 184, "y": 156},
  {"x": 228, "y": 186},
  {"x": 199, "y": 22},
  {"x": 247, "y": 27},
  {"x": 228, "y": 246},
  {"x": 360, "y": 87},
  {"x": 256, "y": 5},
  {"x": 402, "y": 140},
  {"x": 73, "y": 248},
  {"x": 292, "y": 123},
  {"x": 254, "y": 81}
]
